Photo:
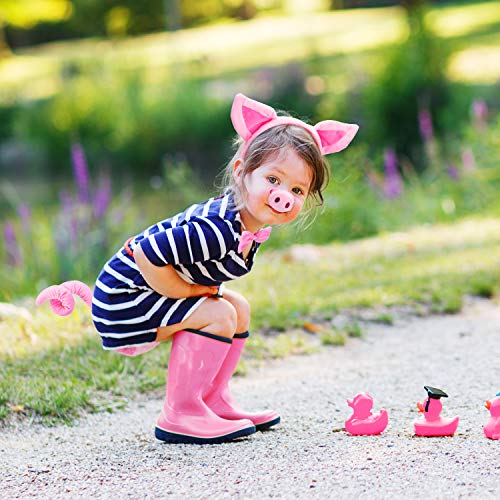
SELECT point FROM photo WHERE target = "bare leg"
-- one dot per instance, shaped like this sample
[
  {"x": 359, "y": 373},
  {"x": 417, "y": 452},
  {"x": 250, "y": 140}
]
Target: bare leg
[
  {"x": 217, "y": 316},
  {"x": 242, "y": 308}
]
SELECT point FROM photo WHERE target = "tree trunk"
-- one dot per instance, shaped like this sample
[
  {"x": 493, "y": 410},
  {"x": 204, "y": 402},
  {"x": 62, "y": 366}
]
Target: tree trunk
[
  {"x": 412, "y": 4},
  {"x": 172, "y": 13},
  {"x": 5, "y": 50},
  {"x": 415, "y": 14},
  {"x": 336, "y": 4}
]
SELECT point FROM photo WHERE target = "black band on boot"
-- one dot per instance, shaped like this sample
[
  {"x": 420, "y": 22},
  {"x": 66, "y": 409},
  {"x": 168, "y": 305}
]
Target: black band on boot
[
  {"x": 210, "y": 335},
  {"x": 243, "y": 335}
]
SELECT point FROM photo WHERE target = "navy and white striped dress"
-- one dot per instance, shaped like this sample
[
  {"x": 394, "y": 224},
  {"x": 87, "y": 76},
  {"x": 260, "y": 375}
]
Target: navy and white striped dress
[{"x": 201, "y": 244}]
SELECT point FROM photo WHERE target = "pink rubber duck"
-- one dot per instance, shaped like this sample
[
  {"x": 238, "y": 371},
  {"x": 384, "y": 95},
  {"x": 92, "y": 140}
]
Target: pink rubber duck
[
  {"x": 362, "y": 422},
  {"x": 492, "y": 427},
  {"x": 432, "y": 424}
]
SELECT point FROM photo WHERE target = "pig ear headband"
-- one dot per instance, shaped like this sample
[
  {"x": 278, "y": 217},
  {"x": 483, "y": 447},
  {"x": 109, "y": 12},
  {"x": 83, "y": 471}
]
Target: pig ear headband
[{"x": 250, "y": 118}]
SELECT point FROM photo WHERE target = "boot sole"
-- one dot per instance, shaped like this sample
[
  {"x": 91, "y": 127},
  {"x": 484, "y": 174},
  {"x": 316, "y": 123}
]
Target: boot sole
[
  {"x": 172, "y": 437},
  {"x": 266, "y": 425}
]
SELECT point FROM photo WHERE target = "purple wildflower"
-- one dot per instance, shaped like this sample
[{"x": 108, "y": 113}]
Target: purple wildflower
[
  {"x": 102, "y": 197},
  {"x": 66, "y": 201},
  {"x": 118, "y": 213},
  {"x": 393, "y": 187},
  {"x": 425, "y": 123},
  {"x": 468, "y": 160},
  {"x": 453, "y": 172},
  {"x": 14, "y": 257},
  {"x": 61, "y": 240},
  {"x": 81, "y": 172},
  {"x": 24, "y": 213},
  {"x": 480, "y": 113},
  {"x": 74, "y": 229},
  {"x": 67, "y": 228}
]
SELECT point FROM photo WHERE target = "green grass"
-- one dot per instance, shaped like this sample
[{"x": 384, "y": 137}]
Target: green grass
[
  {"x": 333, "y": 337},
  {"x": 385, "y": 319},
  {"x": 435, "y": 266},
  {"x": 353, "y": 330},
  {"x": 54, "y": 368}
]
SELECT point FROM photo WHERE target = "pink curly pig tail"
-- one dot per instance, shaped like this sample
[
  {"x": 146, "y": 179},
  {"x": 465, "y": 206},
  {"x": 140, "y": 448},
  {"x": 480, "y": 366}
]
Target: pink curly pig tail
[
  {"x": 61, "y": 296},
  {"x": 63, "y": 303}
]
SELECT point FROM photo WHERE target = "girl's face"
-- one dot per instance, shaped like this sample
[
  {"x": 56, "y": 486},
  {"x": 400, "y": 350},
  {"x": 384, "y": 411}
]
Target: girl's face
[{"x": 286, "y": 172}]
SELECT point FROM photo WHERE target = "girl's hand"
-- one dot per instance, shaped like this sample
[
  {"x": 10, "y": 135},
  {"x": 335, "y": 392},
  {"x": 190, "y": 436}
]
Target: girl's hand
[{"x": 200, "y": 290}]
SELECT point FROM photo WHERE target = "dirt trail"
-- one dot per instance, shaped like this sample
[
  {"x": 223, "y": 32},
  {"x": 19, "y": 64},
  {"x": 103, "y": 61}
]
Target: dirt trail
[{"x": 116, "y": 455}]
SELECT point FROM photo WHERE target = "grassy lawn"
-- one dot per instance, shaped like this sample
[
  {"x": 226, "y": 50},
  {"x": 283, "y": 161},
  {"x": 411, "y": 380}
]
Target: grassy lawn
[
  {"x": 54, "y": 368},
  {"x": 214, "y": 50}
]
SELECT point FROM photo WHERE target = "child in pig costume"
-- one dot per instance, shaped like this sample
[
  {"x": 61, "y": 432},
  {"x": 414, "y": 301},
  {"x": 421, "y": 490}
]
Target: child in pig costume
[{"x": 165, "y": 283}]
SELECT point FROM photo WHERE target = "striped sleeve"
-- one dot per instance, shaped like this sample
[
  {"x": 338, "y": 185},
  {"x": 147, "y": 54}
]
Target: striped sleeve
[{"x": 198, "y": 240}]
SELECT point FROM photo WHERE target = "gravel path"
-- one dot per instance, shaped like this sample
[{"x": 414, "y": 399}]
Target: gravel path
[{"x": 116, "y": 455}]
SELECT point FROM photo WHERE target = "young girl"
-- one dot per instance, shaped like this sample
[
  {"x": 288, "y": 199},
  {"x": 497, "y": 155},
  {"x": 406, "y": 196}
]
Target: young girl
[{"x": 166, "y": 282}]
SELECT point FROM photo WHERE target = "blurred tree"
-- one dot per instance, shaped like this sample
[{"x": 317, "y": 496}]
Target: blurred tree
[
  {"x": 28, "y": 13},
  {"x": 87, "y": 18},
  {"x": 412, "y": 82},
  {"x": 412, "y": 4},
  {"x": 118, "y": 18},
  {"x": 352, "y": 4},
  {"x": 197, "y": 12},
  {"x": 172, "y": 13},
  {"x": 100, "y": 18},
  {"x": 117, "y": 22},
  {"x": 245, "y": 10}
]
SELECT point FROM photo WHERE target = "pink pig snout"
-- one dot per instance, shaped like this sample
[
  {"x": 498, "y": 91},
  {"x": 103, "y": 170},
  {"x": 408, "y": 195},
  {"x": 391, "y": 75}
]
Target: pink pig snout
[{"x": 280, "y": 200}]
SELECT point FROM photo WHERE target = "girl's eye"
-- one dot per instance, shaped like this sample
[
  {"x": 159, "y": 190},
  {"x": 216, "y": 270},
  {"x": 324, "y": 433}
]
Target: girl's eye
[
  {"x": 297, "y": 191},
  {"x": 272, "y": 179}
]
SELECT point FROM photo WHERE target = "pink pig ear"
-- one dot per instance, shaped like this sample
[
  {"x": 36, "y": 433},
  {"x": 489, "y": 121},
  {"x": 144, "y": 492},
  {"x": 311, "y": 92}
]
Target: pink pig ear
[
  {"x": 335, "y": 136},
  {"x": 248, "y": 115}
]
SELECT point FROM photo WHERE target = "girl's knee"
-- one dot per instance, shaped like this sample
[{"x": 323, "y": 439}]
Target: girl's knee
[
  {"x": 243, "y": 312},
  {"x": 216, "y": 316},
  {"x": 224, "y": 319}
]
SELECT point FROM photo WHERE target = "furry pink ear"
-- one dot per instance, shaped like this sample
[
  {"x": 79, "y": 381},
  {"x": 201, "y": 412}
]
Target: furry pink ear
[
  {"x": 335, "y": 136},
  {"x": 248, "y": 115}
]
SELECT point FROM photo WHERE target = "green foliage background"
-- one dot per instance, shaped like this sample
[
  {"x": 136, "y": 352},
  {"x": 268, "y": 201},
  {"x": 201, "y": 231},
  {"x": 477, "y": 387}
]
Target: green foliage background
[{"x": 159, "y": 128}]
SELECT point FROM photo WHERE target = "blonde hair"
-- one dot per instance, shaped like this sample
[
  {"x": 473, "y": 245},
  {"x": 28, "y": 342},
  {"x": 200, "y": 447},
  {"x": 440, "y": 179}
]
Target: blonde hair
[{"x": 270, "y": 145}]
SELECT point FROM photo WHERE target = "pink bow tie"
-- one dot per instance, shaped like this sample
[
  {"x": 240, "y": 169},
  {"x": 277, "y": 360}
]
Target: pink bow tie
[{"x": 247, "y": 237}]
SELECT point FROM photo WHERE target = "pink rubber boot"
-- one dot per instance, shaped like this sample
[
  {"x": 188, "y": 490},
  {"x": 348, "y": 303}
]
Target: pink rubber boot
[
  {"x": 220, "y": 399},
  {"x": 195, "y": 359}
]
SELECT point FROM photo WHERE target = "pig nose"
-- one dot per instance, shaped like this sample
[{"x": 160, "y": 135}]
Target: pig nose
[{"x": 280, "y": 200}]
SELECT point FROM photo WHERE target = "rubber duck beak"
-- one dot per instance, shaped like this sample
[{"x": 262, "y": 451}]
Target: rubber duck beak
[
  {"x": 488, "y": 404},
  {"x": 420, "y": 407}
]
